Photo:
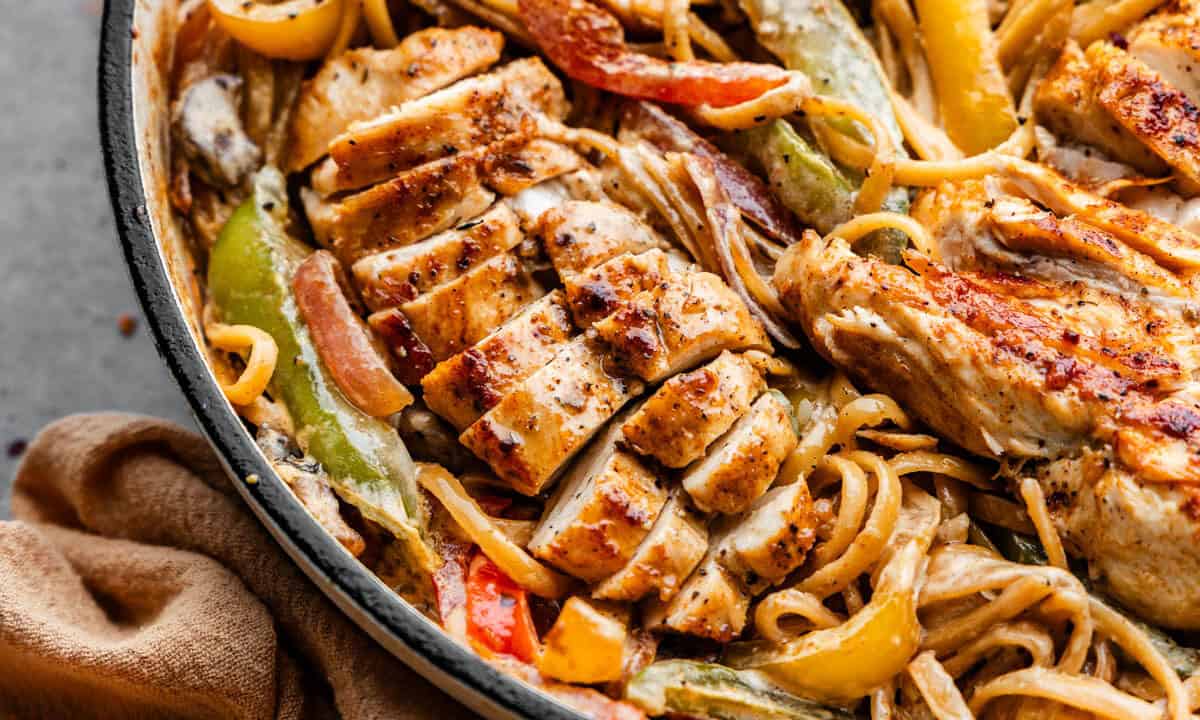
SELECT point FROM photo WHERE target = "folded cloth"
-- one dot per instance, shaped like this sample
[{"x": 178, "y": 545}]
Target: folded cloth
[{"x": 135, "y": 584}]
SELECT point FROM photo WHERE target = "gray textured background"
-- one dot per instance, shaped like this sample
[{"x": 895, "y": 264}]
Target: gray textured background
[{"x": 63, "y": 282}]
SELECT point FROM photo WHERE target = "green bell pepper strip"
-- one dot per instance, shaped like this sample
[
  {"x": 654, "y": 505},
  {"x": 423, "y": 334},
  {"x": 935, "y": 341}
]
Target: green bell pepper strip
[
  {"x": 250, "y": 270},
  {"x": 717, "y": 692},
  {"x": 821, "y": 39},
  {"x": 802, "y": 177}
]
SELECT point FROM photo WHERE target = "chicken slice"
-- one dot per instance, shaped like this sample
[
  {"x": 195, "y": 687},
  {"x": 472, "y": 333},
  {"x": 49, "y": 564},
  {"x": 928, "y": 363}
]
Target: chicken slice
[
  {"x": 362, "y": 83},
  {"x": 1066, "y": 102},
  {"x": 1136, "y": 536},
  {"x": 1169, "y": 42},
  {"x": 469, "y": 384},
  {"x": 1159, "y": 115},
  {"x": 538, "y": 161},
  {"x": 397, "y": 276},
  {"x": 742, "y": 463},
  {"x": 1090, "y": 253},
  {"x": 455, "y": 316},
  {"x": 772, "y": 539},
  {"x": 664, "y": 559},
  {"x": 470, "y": 113},
  {"x": 579, "y": 235},
  {"x": 605, "y": 505},
  {"x": 691, "y": 410},
  {"x": 419, "y": 203},
  {"x": 531, "y": 434},
  {"x": 713, "y": 603},
  {"x": 414, "y": 359},
  {"x": 597, "y": 293},
  {"x": 999, "y": 377},
  {"x": 678, "y": 324},
  {"x": 975, "y": 361}
]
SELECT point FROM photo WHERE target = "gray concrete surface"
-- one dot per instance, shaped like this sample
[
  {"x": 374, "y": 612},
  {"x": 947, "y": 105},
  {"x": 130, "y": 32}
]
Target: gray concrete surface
[{"x": 63, "y": 282}]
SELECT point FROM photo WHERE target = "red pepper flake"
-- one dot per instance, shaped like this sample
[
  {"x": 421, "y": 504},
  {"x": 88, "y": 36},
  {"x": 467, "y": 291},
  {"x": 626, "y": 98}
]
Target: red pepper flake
[
  {"x": 127, "y": 324},
  {"x": 17, "y": 447}
]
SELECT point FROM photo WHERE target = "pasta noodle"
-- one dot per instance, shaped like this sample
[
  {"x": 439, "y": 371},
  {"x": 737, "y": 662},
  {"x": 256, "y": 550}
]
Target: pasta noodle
[{"x": 260, "y": 360}]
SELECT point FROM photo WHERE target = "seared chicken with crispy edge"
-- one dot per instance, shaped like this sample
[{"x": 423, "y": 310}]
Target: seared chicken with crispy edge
[{"x": 1002, "y": 366}]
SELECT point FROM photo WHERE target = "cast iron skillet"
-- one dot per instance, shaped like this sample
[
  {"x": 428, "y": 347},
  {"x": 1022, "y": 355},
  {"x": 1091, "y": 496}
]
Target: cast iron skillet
[{"x": 368, "y": 602}]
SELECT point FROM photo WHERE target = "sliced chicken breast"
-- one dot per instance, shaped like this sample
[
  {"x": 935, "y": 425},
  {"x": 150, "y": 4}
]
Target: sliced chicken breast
[
  {"x": 691, "y": 410},
  {"x": 469, "y": 384},
  {"x": 599, "y": 292},
  {"x": 742, "y": 464},
  {"x": 362, "y": 83},
  {"x": 605, "y": 505},
  {"x": 712, "y": 604},
  {"x": 531, "y": 434},
  {"x": 678, "y": 324},
  {"x": 471, "y": 113},
  {"x": 397, "y": 276},
  {"x": 579, "y": 235},
  {"x": 455, "y": 316},
  {"x": 664, "y": 559},
  {"x": 533, "y": 163}
]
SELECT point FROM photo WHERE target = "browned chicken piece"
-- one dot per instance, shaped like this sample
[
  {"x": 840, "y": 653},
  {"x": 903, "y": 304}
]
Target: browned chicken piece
[
  {"x": 712, "y": 604},
  {"x": 978, "y": 360},
  {"x": 455, "y": 316},
  {"x": 597, "y": 293},
  {"x": 531, "y": 434},
  {"x": 1169, "y": 42},
  {"x": 419, "y": 203},
  {"x": 362, "y": 83},
  {"x": 471, "y": 113},
  {"x": 397, "y": 276},
  {"x": 605, "y": 505},
  {"x": 206, "y": 126},
  {"x": 579, "y": 235},
  {"x": 678, "y": 324},
  {"x": 684, "y": 416},
  {"x": 1067, "y": 102},
  {"x": 536, "y": 162},
  {"x": 469, "y": 384},
  {"x": 772, "y": 539},
  {"x": 1159, "y": 115},
  {"x": 664, "y": 559},
  {"x": 414, "y": 360},
  {"x": 742, "y": 463}
]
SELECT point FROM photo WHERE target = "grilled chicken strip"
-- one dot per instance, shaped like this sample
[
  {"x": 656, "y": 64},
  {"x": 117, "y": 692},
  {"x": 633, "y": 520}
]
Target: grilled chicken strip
[
  {"x": 1007, "y": 378},
  {"x": 397, "y": 276},
  {"x": 742, "y": 464},
  {"x": 664, "y": 559},
  {"x": 604, "y": 507},
  {"x": 531, "y": 434},
  {"x": 678, "y": 324},
  {"x": 363, "y": 83},
  {"x": 471, "y": 113},
  {"x": 469, "y": 384},
  {"x": 1169, "y": 42},
  {"x": 579, "y": 235},
  {"x": 684, "y": 416},
  {"x": 1067, "y": 102}
]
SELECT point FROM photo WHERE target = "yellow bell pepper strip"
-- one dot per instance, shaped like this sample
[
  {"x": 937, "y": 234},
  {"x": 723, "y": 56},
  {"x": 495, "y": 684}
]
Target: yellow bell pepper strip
[
  {"x": 705, "y": 690},
  {"x": 976, "y": 108},
  {"x": 290, "y": 30},
  {"x": 250, "y": 270},
  {"x": 845, "y": 663}
]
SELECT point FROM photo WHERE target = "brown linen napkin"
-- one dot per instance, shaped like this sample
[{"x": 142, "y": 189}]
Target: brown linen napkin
[{"x": 135, "y": 584}]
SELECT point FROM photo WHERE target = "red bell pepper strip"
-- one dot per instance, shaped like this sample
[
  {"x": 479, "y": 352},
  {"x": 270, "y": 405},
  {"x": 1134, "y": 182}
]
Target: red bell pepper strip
[
  {"x": 343, "y": 340},
  {"x": 588, "y": 44},
  {"x": 498, "y": 614}
]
